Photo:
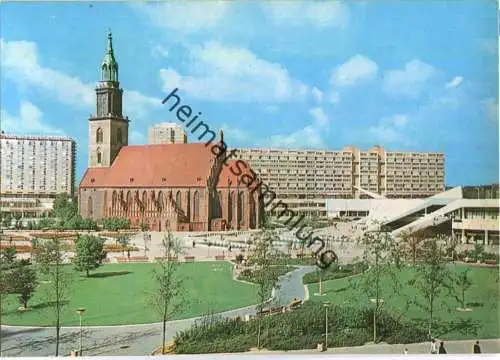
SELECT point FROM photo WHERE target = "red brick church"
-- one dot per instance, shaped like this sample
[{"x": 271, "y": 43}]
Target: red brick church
[{"x": 181, "y": 187}]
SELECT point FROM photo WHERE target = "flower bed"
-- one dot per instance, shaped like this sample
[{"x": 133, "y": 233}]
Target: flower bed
[
  {"x": 116, "y": 234},
  {"x": 119, "y": 248},
  {"x": 20, "y": 249},
  {"x": 52, "y": 235}
]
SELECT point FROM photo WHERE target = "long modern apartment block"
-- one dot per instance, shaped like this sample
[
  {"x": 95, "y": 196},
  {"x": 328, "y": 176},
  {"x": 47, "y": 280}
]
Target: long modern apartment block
[
  {"x": 304, "y": 179},
  {"x": 34, "y": 169}
]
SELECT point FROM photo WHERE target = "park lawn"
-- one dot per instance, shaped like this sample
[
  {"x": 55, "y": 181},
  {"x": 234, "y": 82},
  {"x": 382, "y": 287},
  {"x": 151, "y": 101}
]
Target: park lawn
[
  {"x": 482, "y": 297},
  {"x": 120, "y": 294}
]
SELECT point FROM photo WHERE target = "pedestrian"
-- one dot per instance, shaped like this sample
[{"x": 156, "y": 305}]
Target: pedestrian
[
  {"x": 477, "y": 348},
  {"x": 194, "y": 244},
  {"x": 442, "y": 350},
  {"x": 406, "y": 351},
  {"x": 128, "y": 254},
  {"x": 433, "y": 346}
]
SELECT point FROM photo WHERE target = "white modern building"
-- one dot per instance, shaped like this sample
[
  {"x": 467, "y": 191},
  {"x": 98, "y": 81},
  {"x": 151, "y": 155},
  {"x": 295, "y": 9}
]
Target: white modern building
[
  {"x": 34, "y": 169},
  {"x": 467, "y": 219},
  {"x": 167, "y": 133}
]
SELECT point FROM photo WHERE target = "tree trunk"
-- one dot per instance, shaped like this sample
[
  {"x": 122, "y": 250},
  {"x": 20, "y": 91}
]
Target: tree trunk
[
  {"x": 87, "y": 272},
  {"x": 258, "y": 332},
  {"x": 164, "y": 334},
  {"x": 58, "y": 328}
]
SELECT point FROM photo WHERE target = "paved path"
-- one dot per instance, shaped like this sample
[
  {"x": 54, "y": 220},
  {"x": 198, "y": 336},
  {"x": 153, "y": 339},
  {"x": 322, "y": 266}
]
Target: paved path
[
  {"x": 124, "y": 340},
  {"x": 490, "y": 346}
]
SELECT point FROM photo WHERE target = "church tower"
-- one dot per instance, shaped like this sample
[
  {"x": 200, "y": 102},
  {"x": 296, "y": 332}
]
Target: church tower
[{"x": 108, "y": 129}]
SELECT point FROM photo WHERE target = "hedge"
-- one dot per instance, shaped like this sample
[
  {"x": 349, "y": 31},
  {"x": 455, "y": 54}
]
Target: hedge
[{"x": 300, "y": 329}]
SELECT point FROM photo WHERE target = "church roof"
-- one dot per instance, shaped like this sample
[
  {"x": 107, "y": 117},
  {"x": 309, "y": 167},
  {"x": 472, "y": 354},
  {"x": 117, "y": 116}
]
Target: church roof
[
  {"x": 163, "y": 165},
  {"x": 232, "y": 178}
]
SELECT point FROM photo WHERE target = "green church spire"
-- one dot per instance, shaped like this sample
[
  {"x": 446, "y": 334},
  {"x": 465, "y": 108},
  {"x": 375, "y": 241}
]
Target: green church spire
[{"x": 109, "y": 66}]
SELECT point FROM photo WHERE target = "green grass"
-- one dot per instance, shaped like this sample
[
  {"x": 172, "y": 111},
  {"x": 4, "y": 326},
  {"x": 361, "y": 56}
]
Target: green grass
[
  {"x": 482, "y": 297},
  {"x": 124, "y": 298}
]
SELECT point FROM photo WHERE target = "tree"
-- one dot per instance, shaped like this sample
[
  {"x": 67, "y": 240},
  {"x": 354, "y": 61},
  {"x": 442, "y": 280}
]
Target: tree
[
  {"x": 49, "y": 258},
  {"x": 115, "y": 224},
  {"x": 7, "y": 257},
  {"x": 412, "y": 244},
  {"x": 7, "y": 220},
  {"x": 432, "y": 277},
  {"x": 464, "y": 282},
  {"x": 89, "y": 253},
  {"x": 23, "y": 281},
  {"x": 263, "y": 255},
  {"x": 165, "y": 298},
  {"x": 382, "y": 254},
  {"x": 64, "y": 207}
]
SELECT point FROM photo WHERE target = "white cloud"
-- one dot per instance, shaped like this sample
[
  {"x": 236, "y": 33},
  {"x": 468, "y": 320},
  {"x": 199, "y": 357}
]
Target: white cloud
[
  {"x": 317, "y": 94},
  {"x": 390, "y": 130},
  {"x": 454, "y": 83},
  {"x": 309, "y": 136},
  {"x": 220, "y": 73},
  {"x": 409, "y": 81},
  {"x": 319, "y": 116},
  {"x": 20, "y": 63},
  {"x": 29, "y": 122},
  {"x": 137, "y": 106},
  {"x": 159, "y": 51},
  {"x": 358, "y": 68},
  {"x": 185, "y": 16},
  {"x": 334, "y": 97},
  {"x": 232, "y": 134},
  {"x": 317, "y": 14}
]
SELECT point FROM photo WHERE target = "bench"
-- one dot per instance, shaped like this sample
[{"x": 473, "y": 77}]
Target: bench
[
  {"x": 219, "y": 257},
  {"x": 189, "y": 258},
  {"x": 490, "y": 262}
]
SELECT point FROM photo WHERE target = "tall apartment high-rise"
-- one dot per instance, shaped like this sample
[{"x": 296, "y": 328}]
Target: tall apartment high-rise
[
  {"x": 303, "y": 179},
  {"x": 34, "y": 169},
  {"x": 167, "y": 133}
]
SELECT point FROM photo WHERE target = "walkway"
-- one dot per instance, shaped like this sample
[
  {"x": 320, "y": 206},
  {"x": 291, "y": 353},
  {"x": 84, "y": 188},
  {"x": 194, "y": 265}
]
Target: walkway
[{"x": 124, "y": 340}]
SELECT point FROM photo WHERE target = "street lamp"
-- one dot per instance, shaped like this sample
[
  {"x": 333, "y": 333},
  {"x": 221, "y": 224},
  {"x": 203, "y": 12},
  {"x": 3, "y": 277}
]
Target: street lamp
[
  {"x": 80, "y": 312},
  {"x": 326, "y": 305}
]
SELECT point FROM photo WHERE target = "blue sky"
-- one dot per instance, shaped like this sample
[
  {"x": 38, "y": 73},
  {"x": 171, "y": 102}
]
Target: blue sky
[{"x": 407, "y": 75}]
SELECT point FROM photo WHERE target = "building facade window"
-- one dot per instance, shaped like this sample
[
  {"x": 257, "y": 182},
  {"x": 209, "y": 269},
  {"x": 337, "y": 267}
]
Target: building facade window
[
  {"x": 119, "y": 136},
  {"x": 178, "y": 199},
  {"x": 99, "y": 136},
  {"x": 196, "y": 212}
]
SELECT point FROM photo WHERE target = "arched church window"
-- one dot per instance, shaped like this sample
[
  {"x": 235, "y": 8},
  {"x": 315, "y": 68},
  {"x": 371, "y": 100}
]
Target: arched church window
[
  {"x": 178, "y": 199},
  {"x": 129, "y": 199},
  {"x": 160, "y": 201},
  {"x": 144, "y": 199},
  {"x": 104, "y": 72},
  {"x": 196, "y": 212},
  {"x": 119, "y": 136},
  {"x": 99, "y": 136},
  {"x": 90, "y": 207},
  {"x": 220, "y": 204},
  {"x": 230, "y": 207},
  {"x": 99, "y": 156},
  {"x": 240, "y": 206}
]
